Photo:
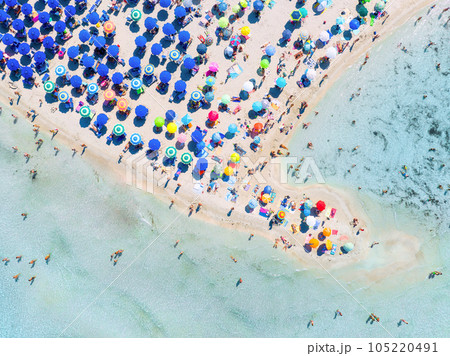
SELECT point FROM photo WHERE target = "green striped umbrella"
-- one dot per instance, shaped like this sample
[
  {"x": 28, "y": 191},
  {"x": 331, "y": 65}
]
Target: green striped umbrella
[
  {"x": 136, "y": 15},
  {"x": 171, "y": 152},
  {"x": 118, "y": 130},
  {"x": 186, "y": 158},
  {"x": 49, "y": 86},
  {"x": 85, "y": 111}
]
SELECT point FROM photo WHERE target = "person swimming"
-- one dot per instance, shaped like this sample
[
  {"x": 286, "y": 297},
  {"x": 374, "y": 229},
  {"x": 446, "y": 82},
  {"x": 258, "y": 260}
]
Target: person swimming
[
  {"x": 16, "y": 277},
  {"x": 32, "y": 279},
  {"x": 234, "y": 260},
  {"x": 32, "y": 262},
  {"x": 47, "y": 258}
]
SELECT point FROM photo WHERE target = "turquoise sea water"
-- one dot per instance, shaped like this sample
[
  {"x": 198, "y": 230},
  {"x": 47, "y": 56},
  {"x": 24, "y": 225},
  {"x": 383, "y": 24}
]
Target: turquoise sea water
[{"x": 81, "y": 217}]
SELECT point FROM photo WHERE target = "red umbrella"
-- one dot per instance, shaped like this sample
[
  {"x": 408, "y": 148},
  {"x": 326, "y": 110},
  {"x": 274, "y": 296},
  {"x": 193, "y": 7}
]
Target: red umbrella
[
  {"x": 320, "y": 205},
  {"x": 213, "y": 115}
]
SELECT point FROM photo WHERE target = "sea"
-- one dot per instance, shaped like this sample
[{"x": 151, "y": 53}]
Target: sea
[{"x": 81, "y": 216}]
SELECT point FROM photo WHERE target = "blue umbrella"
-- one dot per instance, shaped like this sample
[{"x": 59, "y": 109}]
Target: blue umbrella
[
  {"x": 24, "y": 48},
  {"x": 180, "y": 11},
  {"x": 174, "y": 54},
  {"x": 281, "y": 82},
  {"x": 60, "y": 26},
  {"x": 48, "y": 42},
  {"x": 197, "y": 136},
  {"x": 150, "y": 23},
  {"x": 223, "y": 6},
  {"x": 184, "y": 36},
  {"x": 93, "y": 18},
  {"x": 11, "y": 3},
  {"x": 84, "y": 35},
  {"x": 287, "y": 34},
  {"x": 27, "y": 72},
  {"x": 258, "y": 5},
  {"x": 60, "y": 70},
  {"x": 232, "y": 128},
  {"x": 33, "y": 33},
  {"x": 18, "y": 25},
  {"x": 186, "y": 119},
  {"x": 168, "y": 29},
  {"x": 270, "y": 50},
  {"x": 257, "y": 140},
  {"x": 27, "y": 9},
  {"x": 39, "y": 57},
  {"x": 102, "y": 119},
  {"x": 53, "y": 4},
  {"x": 149, "y": 69},
  {"x": 201, "y": 48},
  {"x": 257, "y": 106},
  {"x": 100, "y": 42},
  {"x": 154, "y": 144},
  {"x": 196, "y": 95},
  {"x": 209, "y": 96},
  {"x": 135, "y": 139},
  {"x": 210, "y": 81},
  {"x": 202, "y": 164},
  {"x": 180, "y": 86},
  {"x": 134, "y": 62},
  {"x": 73, "y": 52},
  {"x": 136, "y": 83},
  {"x": 216, "y": 137},
  {"x": 113, "y": 50},
  {"x": 1, "y": 55},
  {"x": 63, "y": 96},
  {"x": 189, "y": 63},
  {"x": 8, "y": 39},
  {"x": 156, "y": 49},
  {"x": 165, "y": 3},
  {"x": 165, "y": 77},
  {"x": 70, "y": 11},
  {"x": 3, "y": 15},
  {"x": 102, "y": 70},
  {"x": 354, "y": 24},
  {"x": 76, "y": 81},
  {"x": 141, "y": 111},
  {"x": 140, "y": 41},
  {"x": 88, "y": 61},
  {"x": 13, "y": 64},
  {"x": 171, "y": 115},
  {"x": 92, "y": 88},
  {"x": 117, "y": 78},
  {"x": 44, "y": 17}
]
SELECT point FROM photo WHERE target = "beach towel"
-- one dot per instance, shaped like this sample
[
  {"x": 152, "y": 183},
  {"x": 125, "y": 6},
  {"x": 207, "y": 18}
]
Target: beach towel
[
  {"x": 247, "y": 187},
  {"x": 333, "y": 249},
  {"x": 334, "y": 232},
  {"x": 333, "y": 213},
  {"x": 274, "y": 106},
  {"x": 235, "y": 111},
  {"x": 328, "y": 212}
]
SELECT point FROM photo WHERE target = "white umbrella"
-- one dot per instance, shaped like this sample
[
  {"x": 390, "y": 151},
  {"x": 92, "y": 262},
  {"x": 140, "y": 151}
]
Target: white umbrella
[
  {"x": 324, "y": 36},
  {"x": 310, "y": 74},
  {"x": 310, "y": 221},
  {"x": 248, "y": 86},
  {"x": 322, "y": 6},
  {"x": 331, "y": 52},
  {"x": 265, "y": 103}
]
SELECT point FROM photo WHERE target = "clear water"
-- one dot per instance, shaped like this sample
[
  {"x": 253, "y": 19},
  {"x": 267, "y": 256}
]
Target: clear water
[{"x": 81, "y": 217}]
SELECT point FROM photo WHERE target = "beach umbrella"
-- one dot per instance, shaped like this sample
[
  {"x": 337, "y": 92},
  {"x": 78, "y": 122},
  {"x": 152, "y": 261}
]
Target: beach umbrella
[
  {"x": 196, "y": 95},
  {"x": 201, "y": 48},
  {"x": 236, "y": 8},
  {"x": 225, "y": 99},
  {"x": 265, "y": 198},
  {"x": 320, "y": 205},
  {"x": 348, "y": 247},
  {"x": 331, "y": 52},
  {"x": 141, "y": 111},
  {"x": 307, "y": 47},
  {"x": 49, "y": 86},
  {"x": 232, "y": 128},
  {"x": 27, "y": 72},
  {"x": 245, "y": 31},
  {"x": 314, "y": 243},
  {"x": 310, "y": 221},
  {"x": 171, "y": 115},
  {"x": 73, "y": 52},
  {"x": 308, "y": 204},
  {"x": 109, "y": 27},
  {"x": 60, "y": 26},
  {"x": 154, "y": 144},
  {"x": 165, "y": 3},
  {"x": 172, "y": 128},
  {"x": 228, "y": 171},
  {"x": 296, "y": 15},
  {"x": 243, "y": 3},
  {"x": 281, "y": 214},
  {"x": 33, "y": 33},
  {"x": 109, "y": 94},
  {"x": 258, "y": 127},
  {"x": 140, "y": 41},
  {"x": 286, "y": 34},
  {"x": 70, "y": 11},
  {"x": 248, "y": 86},
  {"x": 270, "y": 50},
  {"x": 102, "y": 119},
  {"x": 39, "y": 57},
  {"x": 328, "y": 244},
  {"x": 11, "y": 3},
  {"x": 223, "y": 22},
  {"x": 136, "y": 83},
  {"x": 93, "y": 18},
  {"x": 324, "y": 36},
  {"x": 213, "y": 115},
  {"x": 189, "y": 63},
  {"x": 92, "y": 88},
  {"x": 362, "y": 11},
  {"x": 310, "y": 74},
  {"x": 117, "y": 78},
  {"x": 180, "y": 11},
  {"x": 84, "y": 36},
  {"x": 100, "y": 42},
  {"x": 235, "y": 158},
  {"x": 135, "y": 139},
  {"x": 122, "y": 104},
  {"x": 48, "y": 42},
  {"x": 43, "y": 17},
  {"x": 321, "y": 6},
  {"x": 53, "y": 4},
  {"x": 210, "y": 81},
  {"x": 186, "y": 119},
  {"x": 150, "y": 23},
  {"x": 156, "y": 49},
  {"x": 165, "y": 77},
  {"x": 306, "y": 212},
  {"x": 264, "y": 63},
  {"x": 223, "y": 6},
  {"x": 340, "y": 20},
  {"x": 258, "y": 5},
  {"x": 76, "y": 81},
  {"x": 303, "y": 34},
  {"x": 149, "y": 69},
  {"x": 281, "y": 82},
  {"x": 60, "y": 70},
  {"x": 200, "y": 145},
  {"x": 63, "y": 96},
  {"x": 326, "y": 232},
  {"x": 354, "y": 24},
  {"x": 85, "y": 111},
  {"x": 180, "y": 86},
  {"x": 113, "y": 50},
  {"x": 174, "y": 54},
  {"x": 186, "y": 158},
  {"x": 134, "y": 62},
  {"x": 184, "y": 36},
  {"x": 24, "y": 48},
  {"x": 18, "y": 25},
  {"x": 213, "y": 67},
  {"x": 27, "y": 9},
  {"x": 182, "y": 138},
  {"x": 88, "y": 61},
  {"x": 118, "y": 130},
  {"x": 235, "y": 41},
  {"x": 13, "y": 64},
  {"x": 159, "y": 121},
  {"x": 253, "y": 204},
  {"x": 102, "y": 70},
  {"x": 257, "y": 140},
  {"x": 303, "y": 12},
  {"x": 171, "y": 152},
  {"x": 8, "y": 39},
  {"x": 187, "y": 3},
  {"x": 202, "y": 164},
  {"x": 168, "y": 29},
  {"x": 379, "y": 6},
  {"x": 257, "y": 106},
  {"x": 209, "y": 96}
]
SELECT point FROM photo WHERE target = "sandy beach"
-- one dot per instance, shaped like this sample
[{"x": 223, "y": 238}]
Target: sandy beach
[{"x": 215, "y": 209}]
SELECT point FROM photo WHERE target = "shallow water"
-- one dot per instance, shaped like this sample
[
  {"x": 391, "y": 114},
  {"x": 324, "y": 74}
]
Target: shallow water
[{"x": 81, "y": 217}]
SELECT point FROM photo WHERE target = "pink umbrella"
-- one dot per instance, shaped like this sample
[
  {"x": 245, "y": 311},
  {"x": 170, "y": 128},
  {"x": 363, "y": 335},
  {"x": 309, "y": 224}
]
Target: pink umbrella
[
  {"x": 343, "y": 238},
  {"x": 182, "y": 138},
  {"x": 214, "y": 67}
]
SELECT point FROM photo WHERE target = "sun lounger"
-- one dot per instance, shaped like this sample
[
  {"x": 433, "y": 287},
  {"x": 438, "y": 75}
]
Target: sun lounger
[
  {"x": 80, "y": 104},
  {"x": 333, "y": 249}
]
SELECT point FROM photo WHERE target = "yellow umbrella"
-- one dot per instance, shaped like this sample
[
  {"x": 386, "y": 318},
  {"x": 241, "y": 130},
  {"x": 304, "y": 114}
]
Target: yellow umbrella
[
  {"x": 314, "y": 243},
  {"x": 122, "y": 104},
  {"x": 245, "y": 31},
  {"x": 329, "y": 245},
  {"x": 109, "y": 27},
  {"x": 235, "y": 158},
  {"x": 326, "y": 232},
  {"x": 228, "y": 171},
  {"x": 172, "y": 127},
  {"x": 265, "y": 198}
]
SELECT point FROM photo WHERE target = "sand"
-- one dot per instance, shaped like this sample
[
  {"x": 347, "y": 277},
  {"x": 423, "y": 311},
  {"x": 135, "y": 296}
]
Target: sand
[{"x": 214, "y": 206}]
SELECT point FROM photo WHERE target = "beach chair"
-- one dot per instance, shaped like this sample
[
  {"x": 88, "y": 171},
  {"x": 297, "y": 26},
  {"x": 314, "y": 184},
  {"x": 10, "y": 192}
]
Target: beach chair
[
  {"x": 187, "y": 20},
  {"x": 61, "y": 53},
  {"x": 80, "y": 104},
  {"x": 69, "y": 104},
  {"x": 45, "y": 77}
]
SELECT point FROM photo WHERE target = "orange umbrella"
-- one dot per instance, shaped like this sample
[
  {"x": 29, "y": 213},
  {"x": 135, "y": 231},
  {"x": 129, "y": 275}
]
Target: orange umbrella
[
  {"x": 326, "y": 232},
  {"x": 122, "y": 104},
  {"x": 258, "y": 126},
  {"x": 109, "y": 27},
  {"x": 109, "y": 95},
  {"x": 314, "y": 243}
]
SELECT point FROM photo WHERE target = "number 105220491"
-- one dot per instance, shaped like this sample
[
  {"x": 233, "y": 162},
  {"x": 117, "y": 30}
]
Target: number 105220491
[{"x": 402, "y": 347}]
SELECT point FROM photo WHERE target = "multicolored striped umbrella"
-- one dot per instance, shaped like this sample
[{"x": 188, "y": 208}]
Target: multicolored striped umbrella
[
  {"x": 235, "y": 40},
  {"x": 136, "y": 15},
  {"x": 196, "y": 95},
  {"x": 109, "y": 27},
  {"x": 109, "y": 95},
  {"x": 60, "y": 70},
  {"x": 136, "y": 84},
  {"x": 122, "y": 104},
  {"x": 135, "y": 139},
  {"x": 171, "y": 152},
  {"x": 63, "y": 96},
  {"x": 174, "y": 54},
  {"x": 186, "y": 158},
  {"x": 118, "y": 130},
  {"x": 49, "y": 86},
  {"x": 85, "y": 111},
  {"x": 149, "y": 69},
  {"x": 209, "y": 41},
  {"x": 92, "y": 88}
]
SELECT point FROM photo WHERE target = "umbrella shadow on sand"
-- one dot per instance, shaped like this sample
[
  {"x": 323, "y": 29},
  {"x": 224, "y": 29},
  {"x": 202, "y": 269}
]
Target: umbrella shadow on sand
[
  {"x": 162, "y": 15},
  {"x": 138, "y": 121},
  {"x": 275, "y": 92}
]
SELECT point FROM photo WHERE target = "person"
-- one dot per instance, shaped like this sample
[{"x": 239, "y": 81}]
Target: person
[
  {"x": 16, "y": 277},
  {"x": 234, "y": 260},
  {"x": 15, "y": 148},
  {"x": 403, "y": 321},
  {"x": 47, "y": 258},
  {"x": 32, "y": 262},
  {"x": 19, "y": 258},
  {"x": 56, "y": 149},
  {"x": 251, "y": 236},
  {"x": 375, "y": 243},
  {"x": 181, "y": 254},
  {"x": 438, "y": 66},
  {"x": 176, "y": 243},
  {"x": 311, "y": 322},
  {"x": 32, "y": 279},
  {"x": 338, "y": 312}
]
